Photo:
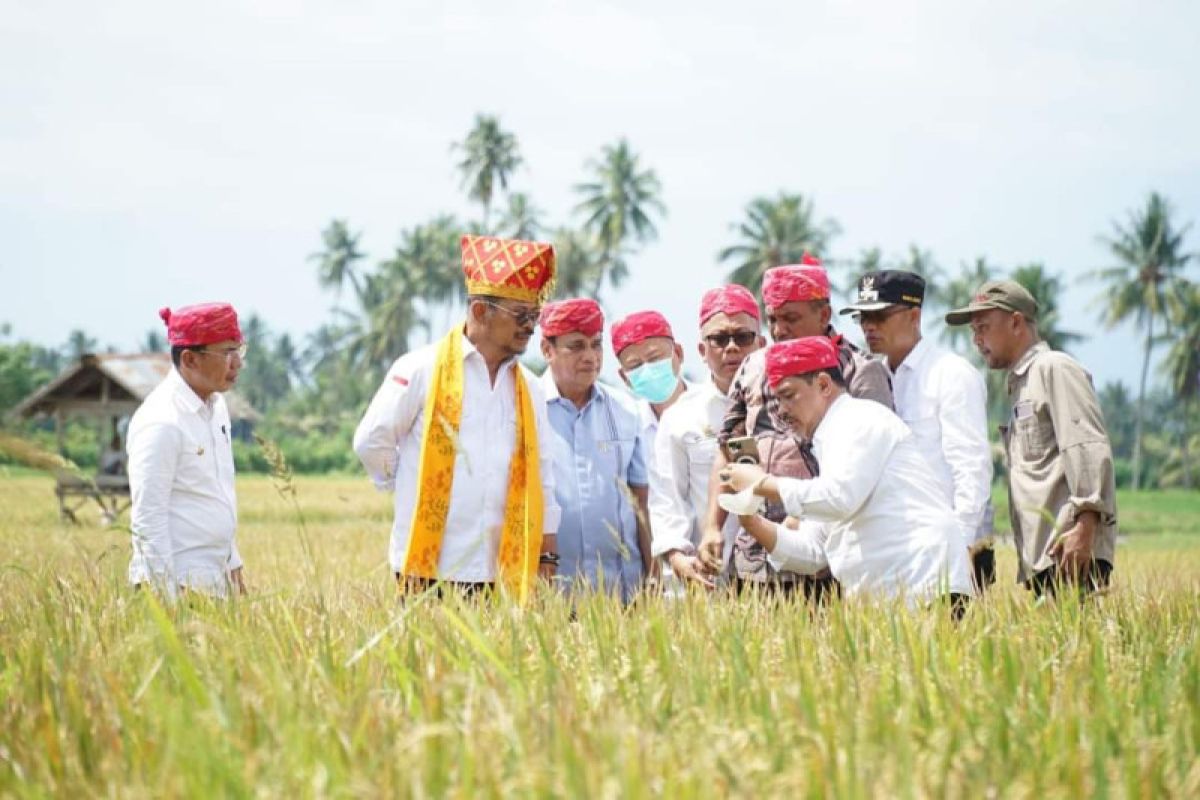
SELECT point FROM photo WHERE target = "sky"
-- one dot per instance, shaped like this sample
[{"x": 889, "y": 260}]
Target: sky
[{"x": 158, "y": 153}]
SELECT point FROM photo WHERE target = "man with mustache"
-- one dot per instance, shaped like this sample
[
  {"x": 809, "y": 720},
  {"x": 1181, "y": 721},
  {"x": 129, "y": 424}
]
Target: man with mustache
[
  {"x": 454, "y": 431},
  {"x": 184, "y": 508},
  {"x": 599, "y": 458}
]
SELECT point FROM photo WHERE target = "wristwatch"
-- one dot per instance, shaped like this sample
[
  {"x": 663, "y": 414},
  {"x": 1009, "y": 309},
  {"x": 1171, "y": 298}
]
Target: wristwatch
[{"x": 549, "y": 558}]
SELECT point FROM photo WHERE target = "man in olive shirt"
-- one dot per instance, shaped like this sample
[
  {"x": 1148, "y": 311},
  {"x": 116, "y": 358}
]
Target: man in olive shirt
[{"x": 1061, "y": 490}]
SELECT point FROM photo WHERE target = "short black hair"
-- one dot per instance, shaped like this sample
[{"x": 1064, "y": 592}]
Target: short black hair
[
  {"x": 177, "y": 352},
  {"x": 834, "y": 373}
]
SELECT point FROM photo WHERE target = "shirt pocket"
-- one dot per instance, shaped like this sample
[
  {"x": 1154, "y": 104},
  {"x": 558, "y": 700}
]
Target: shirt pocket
[
  {"x": 701, "y": 451},
  {"x": 1035, "y": 435}
]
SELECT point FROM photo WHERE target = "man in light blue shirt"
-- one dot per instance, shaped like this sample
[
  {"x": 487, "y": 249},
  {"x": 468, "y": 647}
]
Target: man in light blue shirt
[{"x": 599, "y": 459}]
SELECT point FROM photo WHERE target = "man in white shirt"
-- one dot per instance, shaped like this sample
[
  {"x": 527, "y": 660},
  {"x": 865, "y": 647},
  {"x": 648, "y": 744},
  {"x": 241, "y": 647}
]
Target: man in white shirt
[
  {"x": 651, "y": 361},
  {"x": 454, "y": 431},
  {"x": 876, "y": 515},
  {"x": 184, "y": 509},
  {"x": 941, "y": 397},
  {"x": 686, "y": 442}
]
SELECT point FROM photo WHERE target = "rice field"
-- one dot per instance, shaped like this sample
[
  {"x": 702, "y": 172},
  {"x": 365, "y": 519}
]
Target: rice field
[{"x": 322, "y": 683}]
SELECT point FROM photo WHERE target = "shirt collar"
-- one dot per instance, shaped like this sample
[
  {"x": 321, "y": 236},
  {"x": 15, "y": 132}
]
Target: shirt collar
[
  {"x": 1022, "y": 365},
  {"x": 187, "y": 395},
  {"x": 550, "y": 389},
  {"x": 915, "y": 356},
  {"x": 835, "y": 408},
  {"x": 469, "y": 349}
]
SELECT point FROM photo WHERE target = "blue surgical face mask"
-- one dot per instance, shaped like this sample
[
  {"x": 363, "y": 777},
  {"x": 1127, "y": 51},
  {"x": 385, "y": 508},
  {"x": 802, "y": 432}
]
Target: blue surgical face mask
[{"x": 654, "y": 382}]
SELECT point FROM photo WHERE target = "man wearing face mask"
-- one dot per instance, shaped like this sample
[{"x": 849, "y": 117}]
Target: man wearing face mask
[
  {"x": 687, "y": 435},
  {"x": 650, "y": 364},
  {"x": 797, "y": 301},
  {"x": 599, "y": 463}
]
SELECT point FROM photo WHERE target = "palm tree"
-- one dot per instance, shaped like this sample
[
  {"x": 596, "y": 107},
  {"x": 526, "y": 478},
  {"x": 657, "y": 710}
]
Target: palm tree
[
  {"x": 579, "y": 264},
  {"x": 1182, "y": 364},
  {"x": 490, "y": 156},
  {"x": 776, "y": 231},
  {"x": 429, "y": 261},
  {"x": 389, "y": 317},
  {"x": 956, "y": 293},
  {"x": 618, "y": 207},
  {"x": 79, "y": 344},
  {"x": 1046, "y": 288},
  {"x": 522, "y": 219},
  {"x": 154, "y": 342},
  {"x": 337, "y": 261},
  {"x": 1150, "y": 256}
]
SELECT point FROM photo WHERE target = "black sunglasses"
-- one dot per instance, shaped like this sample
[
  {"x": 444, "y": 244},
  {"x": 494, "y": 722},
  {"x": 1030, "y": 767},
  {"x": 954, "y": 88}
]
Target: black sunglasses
[{"x": 722, "y": 340}]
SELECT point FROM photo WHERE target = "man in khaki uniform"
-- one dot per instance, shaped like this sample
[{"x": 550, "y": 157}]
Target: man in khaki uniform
[{"x": 1061, "y": 490}]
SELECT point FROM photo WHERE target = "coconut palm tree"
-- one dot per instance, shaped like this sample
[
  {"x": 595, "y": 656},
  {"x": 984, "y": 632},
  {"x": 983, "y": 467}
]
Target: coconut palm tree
[
  {"x": 337, "y": 261},
  {"x": 579, "y": 264},
  {"x": 956, "y": 293},
  {"x": 80, "y": 344},
  {"x": 521, "y": 219},
  {"x": 154, "y": 342},
  {"x": 618, "y": 208},
  {"x": 1046, "y": 289},
  {"x": 1150, "y": 255},
  {"x": 490, "y": 155},
  {"x": 776, "y": 230},
  {"x": 1182, "y": 364}
]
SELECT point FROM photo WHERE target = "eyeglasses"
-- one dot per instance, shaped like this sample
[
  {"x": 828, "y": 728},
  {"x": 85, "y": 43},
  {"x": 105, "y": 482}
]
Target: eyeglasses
[
  {"x": 722, "y": 340},
  {"x": 228, "y": 354},
  {"x": 529, "y": 317},
  {"x": 876, "y": 317}
]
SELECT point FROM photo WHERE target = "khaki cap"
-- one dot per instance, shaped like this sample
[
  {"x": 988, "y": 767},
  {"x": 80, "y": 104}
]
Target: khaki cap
[{"x": 1006, "y": 295}]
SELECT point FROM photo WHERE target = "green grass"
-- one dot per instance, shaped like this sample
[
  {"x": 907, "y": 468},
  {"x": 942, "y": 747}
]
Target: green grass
[{"x": 323, "y": 684}]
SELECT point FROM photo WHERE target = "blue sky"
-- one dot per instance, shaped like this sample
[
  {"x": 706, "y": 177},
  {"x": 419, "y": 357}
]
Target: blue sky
[{"x": 158, "y": 154}]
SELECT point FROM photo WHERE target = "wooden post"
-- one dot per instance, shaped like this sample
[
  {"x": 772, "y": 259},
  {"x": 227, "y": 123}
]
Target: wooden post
[{"x": 60, "y": 429}]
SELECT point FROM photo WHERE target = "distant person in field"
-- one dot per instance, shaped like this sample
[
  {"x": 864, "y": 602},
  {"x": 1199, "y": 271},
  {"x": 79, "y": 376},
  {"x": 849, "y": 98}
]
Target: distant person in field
[
  {"x": 686, "y": 443},
  {"x": 599, "y": 457},
  {"x": 455, "y": 429},
  {"x": 875, "y": 516},
  {"x": 1061, "y": 487},
  {"x": 796, "y": 297},
  {"x": 941, "y": 397},
  {"x": 651, "y": 366},
  {"x": 112, "y": 458},
  {"x": 184, "y": 509}
]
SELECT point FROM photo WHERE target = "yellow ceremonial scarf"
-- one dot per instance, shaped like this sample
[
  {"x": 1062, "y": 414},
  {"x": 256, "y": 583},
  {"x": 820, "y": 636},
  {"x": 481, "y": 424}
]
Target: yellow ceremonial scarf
[{"x": 521, "y": 538}]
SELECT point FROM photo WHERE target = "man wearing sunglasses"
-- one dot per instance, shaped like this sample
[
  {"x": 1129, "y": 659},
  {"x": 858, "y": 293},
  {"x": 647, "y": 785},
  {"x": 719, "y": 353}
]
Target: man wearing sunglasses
[
  {"x": 796, "y": 297},
  {"x": 942, "y": 399},
  {"x": 184, "y": 509},
  {"x": 686, "y": 444},
  {"x": 454, "y": 432}
]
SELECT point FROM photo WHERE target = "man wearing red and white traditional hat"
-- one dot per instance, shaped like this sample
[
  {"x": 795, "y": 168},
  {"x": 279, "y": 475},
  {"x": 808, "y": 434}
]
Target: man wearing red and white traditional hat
[
  {"x": 454, "y": 431},
  {"x": 651, "y": 363},
  {"x": 796, "y": 297},
  {"x": 876, "y": 516},
  {"x": 184, "y": 509},
  {"x": 600, "y": 478},
  {"x": 686, "y": 442}
]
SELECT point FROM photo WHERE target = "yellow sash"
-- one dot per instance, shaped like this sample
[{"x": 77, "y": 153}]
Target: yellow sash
[{"x": 521, "y": 537}]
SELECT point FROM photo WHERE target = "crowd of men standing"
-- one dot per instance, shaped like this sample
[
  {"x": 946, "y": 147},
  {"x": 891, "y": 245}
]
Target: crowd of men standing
[{"x": 803, "y": 466}]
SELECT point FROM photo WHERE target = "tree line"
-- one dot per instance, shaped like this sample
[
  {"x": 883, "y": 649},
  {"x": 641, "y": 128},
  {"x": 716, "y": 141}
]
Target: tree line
[{"x": 311, "y": 392}]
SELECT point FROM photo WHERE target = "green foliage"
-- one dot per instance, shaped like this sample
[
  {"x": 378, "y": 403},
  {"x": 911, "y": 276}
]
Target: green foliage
[
  {"x": 776, "y": 230},
  {"x": 490, "y": 155}
]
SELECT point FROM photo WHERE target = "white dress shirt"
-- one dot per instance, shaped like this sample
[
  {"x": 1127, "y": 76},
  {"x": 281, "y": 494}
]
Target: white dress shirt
[
  {"x": 184, "y": 509},
  {"x": 876, "y": 515},
  {"x": 943, "y": 399},
  {"x": 388, "y": 442},
  {"x": 685, "y": 445}
]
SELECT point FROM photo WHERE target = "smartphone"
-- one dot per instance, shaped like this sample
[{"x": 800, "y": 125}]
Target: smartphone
[{"x": 742, "y": 450}]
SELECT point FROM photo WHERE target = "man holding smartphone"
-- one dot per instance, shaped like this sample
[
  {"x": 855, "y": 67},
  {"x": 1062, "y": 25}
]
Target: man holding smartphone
[{"x": 797, "y": 301}]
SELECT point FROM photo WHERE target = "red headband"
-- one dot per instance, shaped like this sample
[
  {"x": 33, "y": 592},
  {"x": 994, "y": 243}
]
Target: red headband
[
  {"x": 638, "y": 327},
  {"x": 800, "y": 356},
  {"x": 729, "y": 300},
  {"x": 192, "y": 326},
  {"x": 796, "y": 283},
  {"x": 567, "y": 316}
]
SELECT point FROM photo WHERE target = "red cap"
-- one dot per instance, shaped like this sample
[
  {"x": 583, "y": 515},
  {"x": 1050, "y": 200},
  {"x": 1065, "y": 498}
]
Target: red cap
[
  {"x": 206, "y": 323},
  {"x": 796, "y": 283},
  {"x": 800, "y": 356},
  {"x": 731, "y": 299},
  {"x": 638, "y": 327},
  {"x": 567, "y": 316}
]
